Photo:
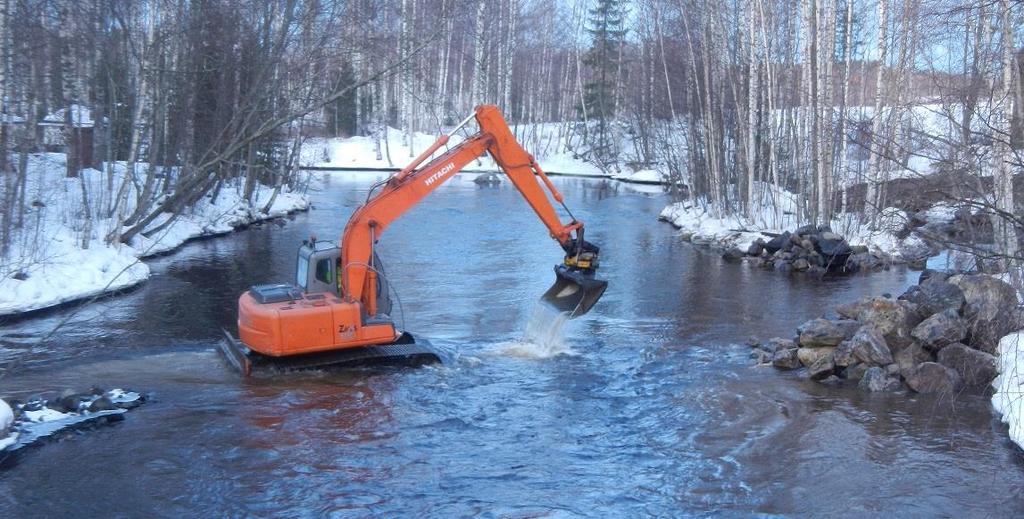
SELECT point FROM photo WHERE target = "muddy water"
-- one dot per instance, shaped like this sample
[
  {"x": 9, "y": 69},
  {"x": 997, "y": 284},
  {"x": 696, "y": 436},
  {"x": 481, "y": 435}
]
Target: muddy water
[{"x": 647, "y": 406}]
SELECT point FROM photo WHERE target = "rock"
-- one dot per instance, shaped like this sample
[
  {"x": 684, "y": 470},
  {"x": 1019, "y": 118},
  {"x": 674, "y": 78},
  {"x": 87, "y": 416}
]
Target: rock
[
  {"x": 911, "y": 356},
  {"x": 777, "y": 343},
  {"x": 801, "y": 264},
  {"x": 784, "y": 266},
  {"x": 831, "y": 380},
  {"x": 777, "y": 243},
  {"x": 934, "y": 275},
  {"x": 843, "y": 355},
  {"x": 487, "y": 179},
  {"x": 733, "y": 254},
  {"x": 809, "y": 356},
  {"x": 806, "y": 229},
  {"x": 869, "y": 347},
  {"x": 756, "y": 248},
  {"x": 875, "y": 379},
  {"x": 976, "y": 368},
  {"x": 786, "y": 359},
  {"x": 988, "y": 303},
  {"x": 859, "y": 249},
  {"x": 833, "y": 246},
  {"x": 892, "y": 369},
  {"x": 823, "y": 366},
  {"x": 932, "y": 377},
  {"x": 895, "y": 319},
  {"x": 935, "y": 296},
  {"x": 761, "y": 356},
  {"x": 855, "y": 371},
  {"x": 853, "y": 310},
  {"x": 816, "y": 270},
  {"x": 943, "y": 328},
  {"x": 101, "y": 404},
  {"x": 820, "y": 333}
]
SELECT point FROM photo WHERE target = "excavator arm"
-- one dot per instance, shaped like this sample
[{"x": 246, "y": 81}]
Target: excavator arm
[{"x": 575, "y": 290}]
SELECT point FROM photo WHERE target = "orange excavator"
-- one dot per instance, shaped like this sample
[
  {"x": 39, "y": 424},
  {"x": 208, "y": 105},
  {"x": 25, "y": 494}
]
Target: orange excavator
[{"x": 338, "y": 311}]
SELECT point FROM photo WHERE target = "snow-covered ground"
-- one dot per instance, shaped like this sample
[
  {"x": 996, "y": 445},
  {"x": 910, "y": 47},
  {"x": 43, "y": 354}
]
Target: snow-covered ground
[
  {"x": 550, "y": 144},
  {"x": 47, "y": 264},
  {"x": 1008, "y": 399}
]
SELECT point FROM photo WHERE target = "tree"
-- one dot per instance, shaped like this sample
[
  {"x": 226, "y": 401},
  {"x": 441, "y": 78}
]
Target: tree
[{"x": 604, "y": 61}]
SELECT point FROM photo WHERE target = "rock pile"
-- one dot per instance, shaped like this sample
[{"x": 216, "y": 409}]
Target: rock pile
[
  {"x": 937, "y": 337},
  {"x": 811, "y": 249}
]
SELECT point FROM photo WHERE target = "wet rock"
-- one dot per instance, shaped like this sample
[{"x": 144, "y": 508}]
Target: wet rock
[
  {"x": 911, "y": 356},
  {"x": 976, "y": 368},
  {"x": 786, "y": 359},
  {"x": 869, "y": 347},
  {"x": 987, "y": 310},
  {"x": 761, "y": 356},
  {"x": 777, "y": 343},
  {"x": 875, "y": 380},
  {"x": 933, "y": 275},
  {"x": 487, "y": 179},
  {"x": 932, "y": 377},
  {"x": 777, "y": 243},
  {"x": 823, "y": 366},
  {"x": 784, "y": 266},
  {"x": 809, "y": 356},
  {"x": 756, "y": 248},
  {"x": 935, "y": 296},
  {"x": 943, "y": 328},
  {"x": 843, "y": 355},
  {"x": 101, "y": 404},
  {"x": 852, "y": 310},
  {"x": 821, "y": 333},
  {"x": 895, "y": 320},
  {"x": 733, "y": 254},
  {"x": 801, "y": 264},
  {"x": 831, "y": 380},
  {"x": 855, "y": 371}
]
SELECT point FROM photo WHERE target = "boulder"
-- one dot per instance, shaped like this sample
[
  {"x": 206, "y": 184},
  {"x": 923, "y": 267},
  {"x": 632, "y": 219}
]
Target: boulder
[
  {"x": 943, "y": 328},
  {"x": 777, "y": 243},
  {"x": 806, "y": 229},
  {"x": 761, "y": 356},
  {"x": 976, "y": 368},
  {"x": 101, "y": 404},
  {"x": 895, "y": 320},
  {"x": 855, "y": 371},
  {"x": 852, "y": 310},
  {"x": 911, "y": 356},
  {"x": 935, "y": 296},
  {"x": 809, "y": 356},
  {"x": 869, "y": 347},
  {"x": 801, "y": 264},
  {"x": 987, "y": 308},
  {"x": 786, "y": 359},
  {"x": 733, "y": 254},
  {"x": 777, "y": 343},
  {"x": 876, "y": 379},
  {"x": 933, "y": 275},
  {"x": 843, "y": 355},
  {"x": 823, "y": 366},
  {"x": 756, "y": 248},
  {"x": 822, "y": 333},
  {"x": 932, "y": 377},
  {"x": 487, "y": 179}
]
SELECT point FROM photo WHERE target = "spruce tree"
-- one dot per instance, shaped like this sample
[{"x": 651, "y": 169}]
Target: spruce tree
[{"x": 606, "y": 26}]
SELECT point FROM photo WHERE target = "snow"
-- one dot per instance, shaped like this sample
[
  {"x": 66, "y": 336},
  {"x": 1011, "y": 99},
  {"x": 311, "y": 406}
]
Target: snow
[
  {"x": 1008, "y": 399},
  {"x": 81, "y": 117},
  {"x": 6, "y": 415},
  {"x": 644, "y": 176},
  {"x": 47, "y": 264},
  {"x": 44, "y": 415},
  {"x": 550, "y": 144}
]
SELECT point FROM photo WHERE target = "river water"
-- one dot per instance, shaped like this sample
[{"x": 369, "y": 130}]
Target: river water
[{"x": 648, "y": 406}]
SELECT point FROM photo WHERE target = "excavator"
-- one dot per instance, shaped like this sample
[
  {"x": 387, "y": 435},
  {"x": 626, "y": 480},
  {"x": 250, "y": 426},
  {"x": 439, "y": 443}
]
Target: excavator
[{"x": 338, "y": 310}]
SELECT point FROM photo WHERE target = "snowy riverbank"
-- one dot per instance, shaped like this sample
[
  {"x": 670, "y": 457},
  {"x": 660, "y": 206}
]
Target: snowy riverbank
[
  {"x": 549, "y": 144},
  {"x": 47, "y": 264}
]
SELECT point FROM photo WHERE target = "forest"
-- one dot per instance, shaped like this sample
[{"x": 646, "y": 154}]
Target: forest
[{"x": 831, "y": 101}]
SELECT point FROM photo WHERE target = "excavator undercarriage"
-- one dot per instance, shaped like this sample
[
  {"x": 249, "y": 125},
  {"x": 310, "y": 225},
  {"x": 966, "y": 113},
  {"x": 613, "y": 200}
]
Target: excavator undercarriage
[{"x": 338, "y": 310}]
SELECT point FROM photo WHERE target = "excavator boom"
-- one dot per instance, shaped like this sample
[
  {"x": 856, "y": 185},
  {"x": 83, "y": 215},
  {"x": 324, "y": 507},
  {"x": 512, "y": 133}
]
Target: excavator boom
[{"x": 341, "y": 299}]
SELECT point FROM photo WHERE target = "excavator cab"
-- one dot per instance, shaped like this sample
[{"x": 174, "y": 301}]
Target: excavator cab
[{"x": 316, "y": 268}]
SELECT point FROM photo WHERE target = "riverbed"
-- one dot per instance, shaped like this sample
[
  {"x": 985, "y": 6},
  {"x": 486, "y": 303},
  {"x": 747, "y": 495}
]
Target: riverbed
[{"x": 650, "y": 407}]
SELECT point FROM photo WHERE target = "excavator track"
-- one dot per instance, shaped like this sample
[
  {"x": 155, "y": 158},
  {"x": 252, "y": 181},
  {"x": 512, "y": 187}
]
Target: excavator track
[{"x": 406, "y": 351}]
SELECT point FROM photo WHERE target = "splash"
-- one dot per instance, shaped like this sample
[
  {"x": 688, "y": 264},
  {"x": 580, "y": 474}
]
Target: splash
[{"x": 544, "y": 336}]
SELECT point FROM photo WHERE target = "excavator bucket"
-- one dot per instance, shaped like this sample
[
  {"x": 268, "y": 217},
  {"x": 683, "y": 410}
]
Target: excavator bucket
[{"x": 574, "y": 291}]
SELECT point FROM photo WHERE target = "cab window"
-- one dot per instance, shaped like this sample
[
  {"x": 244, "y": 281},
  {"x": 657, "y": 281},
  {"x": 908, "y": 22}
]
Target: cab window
[
  {"x": 324, "y": 273},
  {"x": 301, "y": 272}
]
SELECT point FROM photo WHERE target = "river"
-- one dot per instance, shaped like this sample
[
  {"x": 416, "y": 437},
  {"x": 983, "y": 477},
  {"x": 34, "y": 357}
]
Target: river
[{"x": 653, "y": 407}]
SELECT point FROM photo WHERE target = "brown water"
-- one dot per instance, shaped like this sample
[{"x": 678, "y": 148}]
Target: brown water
[{"x": 646, "y": 406}]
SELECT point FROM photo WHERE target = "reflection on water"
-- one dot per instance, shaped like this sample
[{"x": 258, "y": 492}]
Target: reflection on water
[{"x": 657, "y": 412}]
